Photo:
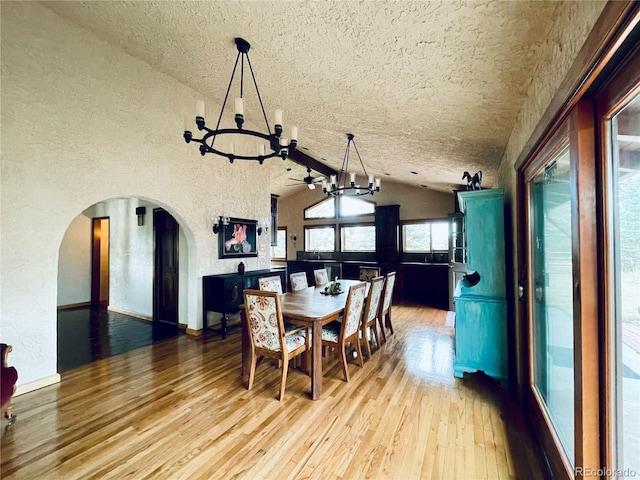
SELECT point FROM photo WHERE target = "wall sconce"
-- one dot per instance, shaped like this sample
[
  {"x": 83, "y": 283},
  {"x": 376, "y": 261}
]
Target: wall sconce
[
  {"x": 263, "y": 226},
  {"x": 294, "y": 237},
  {"x": 222, "y": 220},
  {"x": 140, "y": 212}
]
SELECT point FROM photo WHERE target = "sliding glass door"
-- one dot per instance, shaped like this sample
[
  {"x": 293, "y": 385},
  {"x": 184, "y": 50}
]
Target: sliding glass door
[
  {"x": 552, "y": 294},
  {"x": 620, "y": 106}
]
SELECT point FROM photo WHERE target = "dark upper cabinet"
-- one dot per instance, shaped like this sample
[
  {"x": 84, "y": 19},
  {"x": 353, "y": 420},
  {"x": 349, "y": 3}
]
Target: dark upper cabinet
[
  {"x": 274, "y": 220},
  {"x": 387, "y": 233}
]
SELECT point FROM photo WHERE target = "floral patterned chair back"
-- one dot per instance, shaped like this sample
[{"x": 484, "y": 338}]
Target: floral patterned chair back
[
  {"x": 270, "y": 284},
  {"x": 369, "y": 273},
  {"x": 320, "y": 276},
  {"x": 388, "y": 291},
  {"x": 263, "y": 320},
  {"x": 298, "y": 281},
  {"x": 385, "y": 311},
  {"x": 353, "y": 309},
  {"x": 371, "y": 312}
]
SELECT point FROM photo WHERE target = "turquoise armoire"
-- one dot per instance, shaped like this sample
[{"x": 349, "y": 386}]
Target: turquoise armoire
[{"x": 481, "y": 310}]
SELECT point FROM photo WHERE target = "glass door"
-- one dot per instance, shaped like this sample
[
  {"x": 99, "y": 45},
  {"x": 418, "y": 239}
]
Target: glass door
[
  {"x": 551, "y": 294},
  {"x": 622, "y": 136}
]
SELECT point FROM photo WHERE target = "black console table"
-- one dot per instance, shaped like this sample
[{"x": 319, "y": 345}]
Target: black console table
[{"x": 224, "y": 293}]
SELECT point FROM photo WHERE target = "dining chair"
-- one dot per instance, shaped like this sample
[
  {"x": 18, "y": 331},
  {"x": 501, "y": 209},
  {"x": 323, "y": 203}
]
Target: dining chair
[
  {"x": 298, "y": 281},
  {"x": 369, "y": 273},
  {"x": 371, "y": 312},
  {"x": 385, "y": 311},
  {"x": 320, "y": 276},
  {"x": 346, "y": 330},
  {"x": 270, "y": 284},
  {"x": 268, "y": 338}
]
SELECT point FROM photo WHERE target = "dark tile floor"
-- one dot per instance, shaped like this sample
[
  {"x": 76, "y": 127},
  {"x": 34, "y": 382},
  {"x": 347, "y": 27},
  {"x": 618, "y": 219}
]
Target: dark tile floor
[{"x": 89, "y": 334}]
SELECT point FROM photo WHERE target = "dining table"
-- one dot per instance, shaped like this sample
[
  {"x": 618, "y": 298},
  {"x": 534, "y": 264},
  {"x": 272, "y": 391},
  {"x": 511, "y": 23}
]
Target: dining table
[{"x": 309, "y": 307}]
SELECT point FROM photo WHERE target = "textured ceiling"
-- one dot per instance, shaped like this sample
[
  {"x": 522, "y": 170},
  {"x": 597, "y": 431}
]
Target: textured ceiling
[{"x": 429, "y": 87}]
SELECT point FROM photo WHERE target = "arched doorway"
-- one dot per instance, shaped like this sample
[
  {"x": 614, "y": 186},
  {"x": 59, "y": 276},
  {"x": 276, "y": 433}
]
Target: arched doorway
[{"x": 109, "y": 298}]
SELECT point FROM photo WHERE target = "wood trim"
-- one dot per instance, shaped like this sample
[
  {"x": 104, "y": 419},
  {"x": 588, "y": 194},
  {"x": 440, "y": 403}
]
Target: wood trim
[
  {"x": 537, "y": 415},
  {"x": 74, "y": 305},
  {"x": 141, "y": 316},
  {"x": 194, "y": 332},
  {"x": 585, "y": 277},
  {"x": 612, "y": 27}
]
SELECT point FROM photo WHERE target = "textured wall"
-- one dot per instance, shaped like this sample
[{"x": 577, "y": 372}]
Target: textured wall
[
  {"x": 416, "y": 203},
  {"x": 558, "y": 51},
  {"x": 82, "y": 122},
  {"x": 74, "y": 272}
]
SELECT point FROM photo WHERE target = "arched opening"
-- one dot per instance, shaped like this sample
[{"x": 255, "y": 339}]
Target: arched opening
[{"x": 122, "y": 270}]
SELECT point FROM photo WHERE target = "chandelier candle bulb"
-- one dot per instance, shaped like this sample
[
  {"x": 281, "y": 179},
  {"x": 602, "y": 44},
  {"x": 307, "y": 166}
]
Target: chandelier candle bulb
[
  {"x": 370, "y": 181},
  {"x": 187, "y": 123},
  {"x": 352, "y": 178},
  {"x": 333, "y": 180},
  {"x": 239, "y": 106},
  {"x": 261, "y": 150},
  {"x": 278, "y": 117},
  {"x": 294, "y": 133},
  {"x": 200, "y": 109},
  {"x": 377, "y": 183}
]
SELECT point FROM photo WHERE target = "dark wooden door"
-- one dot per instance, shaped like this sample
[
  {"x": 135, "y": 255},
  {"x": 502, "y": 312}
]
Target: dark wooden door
[{"x": 165, "y": 288}]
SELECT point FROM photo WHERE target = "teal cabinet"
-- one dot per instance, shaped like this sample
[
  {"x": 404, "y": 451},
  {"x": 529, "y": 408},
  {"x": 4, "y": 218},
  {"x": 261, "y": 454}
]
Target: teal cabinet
[{"x": 481, "y": 310}]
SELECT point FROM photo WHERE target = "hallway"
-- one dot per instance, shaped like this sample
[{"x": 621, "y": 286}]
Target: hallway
[{"x": 89, "y": 334}]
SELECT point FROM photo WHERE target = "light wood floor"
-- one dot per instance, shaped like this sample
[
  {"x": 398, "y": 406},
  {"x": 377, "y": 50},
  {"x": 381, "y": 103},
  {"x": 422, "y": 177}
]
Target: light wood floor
[{"x": 179, "y": 409}]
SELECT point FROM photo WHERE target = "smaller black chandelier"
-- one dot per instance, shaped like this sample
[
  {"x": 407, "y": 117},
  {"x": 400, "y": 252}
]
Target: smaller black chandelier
[
  {"x": 280, "y": 146},
  {"x": 339, "y": 186}
]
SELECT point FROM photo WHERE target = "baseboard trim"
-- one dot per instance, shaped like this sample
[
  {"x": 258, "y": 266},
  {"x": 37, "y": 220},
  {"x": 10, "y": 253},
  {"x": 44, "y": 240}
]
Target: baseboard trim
[
  {"x": 194, "y": 333},
  {"x": 37, "y": 384},
  {"x": 74, "y": 305},
  {"x": 131, "y": 314}
]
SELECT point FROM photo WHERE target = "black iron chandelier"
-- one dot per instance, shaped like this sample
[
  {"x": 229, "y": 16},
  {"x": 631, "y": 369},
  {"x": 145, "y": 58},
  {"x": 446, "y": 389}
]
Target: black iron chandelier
[
  {"x": 279, "y": 145},
  {"x": 339, "y": 186}
]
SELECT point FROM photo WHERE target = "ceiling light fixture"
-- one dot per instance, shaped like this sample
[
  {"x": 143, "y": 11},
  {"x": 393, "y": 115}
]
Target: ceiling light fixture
[
  {"x": 279, "y": 145},
  {"x": 340, "y": 186}
]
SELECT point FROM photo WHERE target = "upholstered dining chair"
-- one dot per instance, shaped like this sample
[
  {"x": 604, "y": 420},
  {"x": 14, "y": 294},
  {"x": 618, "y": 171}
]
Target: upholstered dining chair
[
  {"x": 321, "y": 276},
  {"x": 298, "y": 281},
  {"x": 346, "y": 330},
  {"x": 371, "y": 312},
  {"x": 369, "y": 273},
  {"x": 270, "y": 284},
  {"x": 8, "y": 377},
  {"x": 385, "y": 311},
  {"x": 267, "y": 335}
]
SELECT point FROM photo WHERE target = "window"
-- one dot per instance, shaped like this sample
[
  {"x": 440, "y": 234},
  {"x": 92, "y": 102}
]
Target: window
[
  {"x": 358, "y": 238},
  {"x": 323, "y": 209},
  {"x": 320, "y": 239},
  {"x": 351, "y": 206},
  {"x": 279, "y": 251},
  {"x": 425, "y": 236}
]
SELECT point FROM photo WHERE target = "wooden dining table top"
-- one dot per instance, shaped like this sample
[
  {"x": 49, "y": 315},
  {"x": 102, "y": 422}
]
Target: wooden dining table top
[{"x": 311, "y": 304}]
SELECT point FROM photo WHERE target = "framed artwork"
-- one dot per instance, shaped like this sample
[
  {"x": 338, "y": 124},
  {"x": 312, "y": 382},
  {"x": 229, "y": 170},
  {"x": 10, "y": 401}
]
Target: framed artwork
[{"x": 238, "y": 239}]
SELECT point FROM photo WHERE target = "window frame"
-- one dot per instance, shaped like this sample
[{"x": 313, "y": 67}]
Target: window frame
[
  {"x": 341, "y": 228},
  {"x": 429, "y": 221},
  {"x": 335, "y": 209},
  {"x": 284, "y": 259},
  {"x": 318, "y": 226}
]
